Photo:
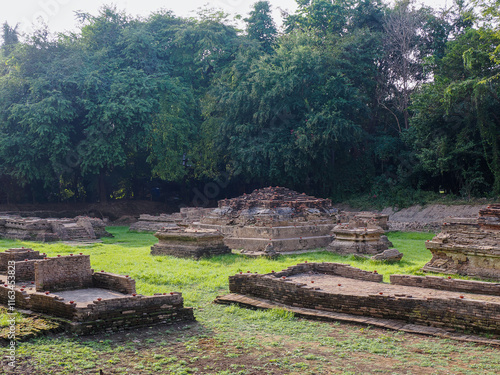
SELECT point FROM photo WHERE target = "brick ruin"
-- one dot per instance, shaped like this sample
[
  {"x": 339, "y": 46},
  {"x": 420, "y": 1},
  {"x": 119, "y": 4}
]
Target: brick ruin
[
  {"x": 468, "y": 246},
  {"x": 186, "y": 216},
  {"x": 351, "y": 294},
  {"x": 273, "y": 218},
  {"x": 269, "y": 222},
  {"x": 358, "y": 237},
  {"x": 189, "y": 243},
  {"x": 362, "y": 234},
  {"x": 45, "y": 230},
  {"x": 66, "y": 287}
]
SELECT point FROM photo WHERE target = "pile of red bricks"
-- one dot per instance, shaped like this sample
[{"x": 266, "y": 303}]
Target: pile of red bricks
[
  {"x": 489, "y": 218},
  {"x": 272, "y": 197}
]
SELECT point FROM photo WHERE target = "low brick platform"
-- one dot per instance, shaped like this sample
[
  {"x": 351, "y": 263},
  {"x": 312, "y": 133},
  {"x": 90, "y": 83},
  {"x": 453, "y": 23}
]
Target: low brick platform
[
  {"x": 186, "y": 216},
  {"x": 66, "y": 287},
  {"x": 189, "y": 243},
  {"x": 343, "y": 289}
]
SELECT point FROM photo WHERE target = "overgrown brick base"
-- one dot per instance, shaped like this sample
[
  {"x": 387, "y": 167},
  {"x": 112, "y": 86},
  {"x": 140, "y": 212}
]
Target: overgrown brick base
[
  {"x": 71, "y": 276},
  {"x": 450, "y": 309}
]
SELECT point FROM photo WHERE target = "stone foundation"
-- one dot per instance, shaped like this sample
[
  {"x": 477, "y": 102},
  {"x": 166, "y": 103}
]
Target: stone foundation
[
  {"x": 330, "y": 287},
  {"x": 467, "y": 247},
  {"x": 47, "y": 230},
  {"x": 189, "y": 243},
  {"x": 66, "y": 287}
]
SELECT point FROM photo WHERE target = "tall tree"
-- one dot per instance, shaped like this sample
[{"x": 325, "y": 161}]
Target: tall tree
[
  {"x": 296, "y": 117},
  {"x": 10, "y": 36},
  {"x": 403, "y": 61},
  {"x": 455, "y": 130},
  {"x": 261, "y": 26}
]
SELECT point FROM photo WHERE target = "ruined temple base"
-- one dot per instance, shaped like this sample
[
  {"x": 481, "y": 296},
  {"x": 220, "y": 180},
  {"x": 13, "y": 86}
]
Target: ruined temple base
[
  {"x": 79, "y": 229},
  {"x": 293, "y": 238},
  {"x": 65, "y": 287},
  {"x": 445, "y": 304},
  {"x": 462, "y": 261},
  {"x": 466, "y": 247},
  {"x": 189, "y": 243},
  {"x": 355, "y": 239},
  {"x": 272, "y": 217},
  {"x": 186, "y": 216}
]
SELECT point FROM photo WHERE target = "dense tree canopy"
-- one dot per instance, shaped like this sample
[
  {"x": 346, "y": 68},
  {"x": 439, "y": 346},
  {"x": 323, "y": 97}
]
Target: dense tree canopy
[{"x": 349, "y": 97}]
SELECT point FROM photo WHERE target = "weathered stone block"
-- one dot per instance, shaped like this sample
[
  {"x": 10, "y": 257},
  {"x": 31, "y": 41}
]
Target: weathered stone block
[{"x": 189, "y": 243}]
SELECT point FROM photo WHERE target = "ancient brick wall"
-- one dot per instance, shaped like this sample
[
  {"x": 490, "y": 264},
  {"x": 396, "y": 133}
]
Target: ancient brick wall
[
  {"x": 139, "y": 311},
  {"x": 22, "y": 300},
  {"x": 444, "y": 283},
  {"x": 474, "y": 315},
  {"x": 17, "y": 255},
  {"x": 63, "y": 273},
  {"x": 25, "y": 270},
  {"x": 52, "y": 305},
  {"x": 119, "y": 313},
  {"x": 118, "y": 283}
]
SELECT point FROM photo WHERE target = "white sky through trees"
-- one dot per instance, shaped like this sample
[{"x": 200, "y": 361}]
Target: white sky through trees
[{"x": 59, "y": 15}]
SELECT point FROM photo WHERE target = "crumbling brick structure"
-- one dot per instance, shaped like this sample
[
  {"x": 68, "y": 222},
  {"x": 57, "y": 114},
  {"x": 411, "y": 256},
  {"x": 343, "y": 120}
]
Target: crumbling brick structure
[
  {"x": 273, "y": 217},
  {"x": 189, "y": 243},
  {"x": 186, "y": 216},
  {"x": 66, "y": 287},
  {"x": 46, "y": 230},
  {"x": 468, "y": 246}
]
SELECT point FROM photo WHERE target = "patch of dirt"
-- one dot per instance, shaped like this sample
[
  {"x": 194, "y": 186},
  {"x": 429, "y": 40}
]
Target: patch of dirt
[{"x": 432, "y": 213}]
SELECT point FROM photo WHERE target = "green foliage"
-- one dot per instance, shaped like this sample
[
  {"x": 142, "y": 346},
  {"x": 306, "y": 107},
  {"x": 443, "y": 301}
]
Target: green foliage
[
  {"x": 353, "y": 97},
  {"x": 260, "y": 25},
  {"x": 289, "y": 116},
  {"x": 455, "y": 129}
]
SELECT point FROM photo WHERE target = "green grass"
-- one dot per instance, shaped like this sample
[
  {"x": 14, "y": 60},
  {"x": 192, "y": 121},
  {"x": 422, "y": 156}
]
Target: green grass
[
  {"x": 234, "y": 340},
  {"x": 200, "y": 281}
]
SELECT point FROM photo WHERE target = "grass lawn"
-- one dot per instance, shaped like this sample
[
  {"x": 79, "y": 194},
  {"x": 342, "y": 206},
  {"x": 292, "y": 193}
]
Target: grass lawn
[{"x": 233, "y": 340}]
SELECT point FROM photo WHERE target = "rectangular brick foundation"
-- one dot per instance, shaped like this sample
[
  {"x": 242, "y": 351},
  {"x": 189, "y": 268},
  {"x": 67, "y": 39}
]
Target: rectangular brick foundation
[
  {"x": 66, "y": 287},
  {"x": 462, "y": 314}
]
